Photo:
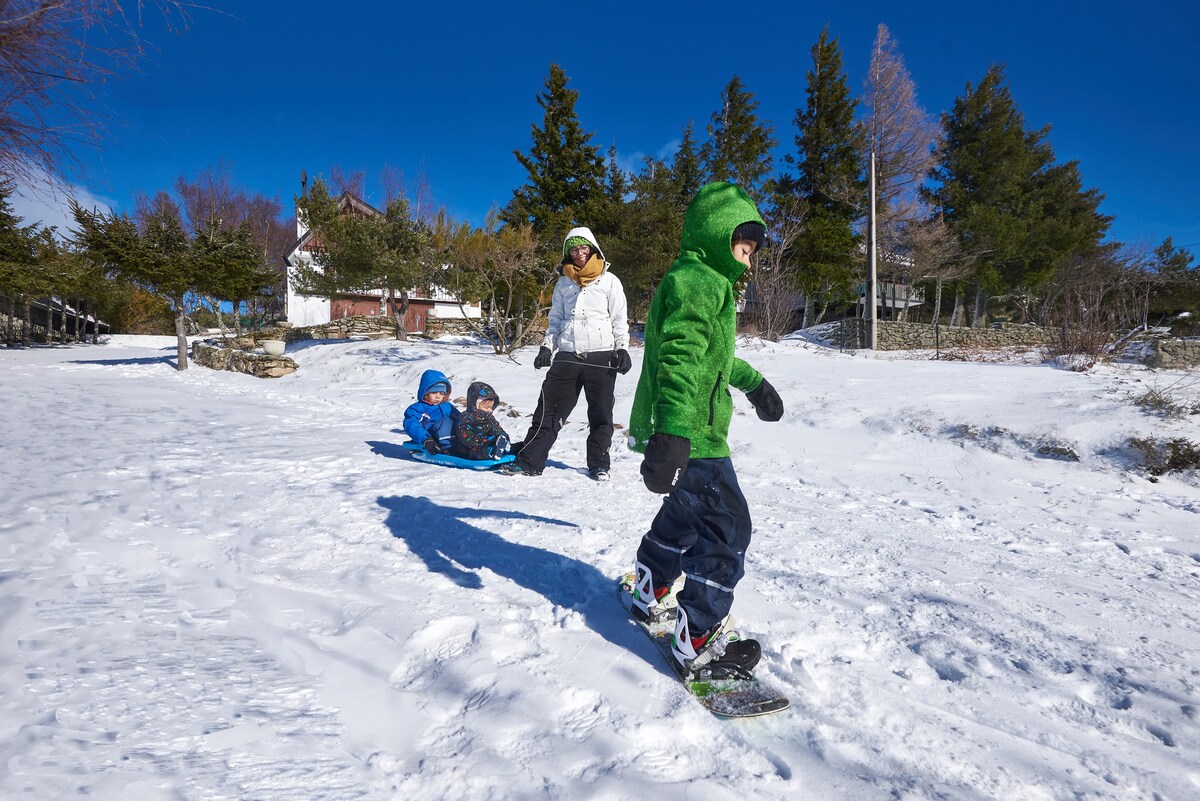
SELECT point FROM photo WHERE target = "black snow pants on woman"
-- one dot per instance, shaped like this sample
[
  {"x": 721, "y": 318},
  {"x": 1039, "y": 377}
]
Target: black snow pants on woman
[{"x": 596, "y": 376}]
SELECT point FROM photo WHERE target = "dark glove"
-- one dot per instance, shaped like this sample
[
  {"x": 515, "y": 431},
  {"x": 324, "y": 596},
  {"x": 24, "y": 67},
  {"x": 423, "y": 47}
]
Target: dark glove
[
  {"x": 542, "y": 359},
  {"x": 432, "y": 446},
  {"x": 664, "y": 462},
  {"x": 623, "y": 364},
  {"x": 767, "y": 403}
]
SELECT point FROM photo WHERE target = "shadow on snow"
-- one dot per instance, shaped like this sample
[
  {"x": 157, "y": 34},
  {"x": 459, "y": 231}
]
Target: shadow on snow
[{"x": 447, "y": 543}]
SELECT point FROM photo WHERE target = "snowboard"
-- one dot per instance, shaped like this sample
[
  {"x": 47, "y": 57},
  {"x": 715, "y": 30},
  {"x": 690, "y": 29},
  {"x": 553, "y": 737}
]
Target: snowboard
[
  {"x": 418, "y": 452},
  {"x": 727, "y": 698}
]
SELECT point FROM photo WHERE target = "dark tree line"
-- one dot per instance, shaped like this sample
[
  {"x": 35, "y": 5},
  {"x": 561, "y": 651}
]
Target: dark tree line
[{"x": 973, "y": 209}]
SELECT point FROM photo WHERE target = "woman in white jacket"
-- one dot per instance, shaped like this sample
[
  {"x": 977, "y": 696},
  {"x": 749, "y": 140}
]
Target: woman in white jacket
[{"x": 590, "y": 332}]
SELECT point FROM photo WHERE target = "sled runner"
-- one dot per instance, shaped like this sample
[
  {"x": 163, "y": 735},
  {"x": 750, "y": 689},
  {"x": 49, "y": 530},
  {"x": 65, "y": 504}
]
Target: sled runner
[
  {"x": 729, "y": 698},
  {"x": 418, "y": 452}
]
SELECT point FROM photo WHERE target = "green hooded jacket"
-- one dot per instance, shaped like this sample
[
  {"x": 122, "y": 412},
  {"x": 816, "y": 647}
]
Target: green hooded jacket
[{"x": 689, "y": 363}]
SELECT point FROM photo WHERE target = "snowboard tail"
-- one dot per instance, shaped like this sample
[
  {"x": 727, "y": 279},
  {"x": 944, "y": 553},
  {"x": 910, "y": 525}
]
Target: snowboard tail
[{"x": 730, "y": 698}]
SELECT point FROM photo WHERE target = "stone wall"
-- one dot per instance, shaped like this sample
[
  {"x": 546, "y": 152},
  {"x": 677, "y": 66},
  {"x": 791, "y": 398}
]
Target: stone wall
[
  {"x": 368, "y": 326},
  {"x": 852, "y": 333},
  {"x": 1175, "y": 353},
  {"x": 223, "y": 357},
  {"x": 441, "y": 326}
]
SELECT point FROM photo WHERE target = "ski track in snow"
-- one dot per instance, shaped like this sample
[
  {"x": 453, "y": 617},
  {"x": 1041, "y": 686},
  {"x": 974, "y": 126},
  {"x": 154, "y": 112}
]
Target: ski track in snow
[{"x": 213, "y": 586}]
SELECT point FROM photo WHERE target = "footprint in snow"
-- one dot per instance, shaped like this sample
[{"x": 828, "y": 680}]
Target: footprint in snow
[{"x": 432, "y": 648}]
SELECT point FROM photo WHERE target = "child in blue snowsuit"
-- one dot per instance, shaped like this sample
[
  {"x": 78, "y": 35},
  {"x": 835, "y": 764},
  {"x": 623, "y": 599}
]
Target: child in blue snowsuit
[
  {"x": 430, "y": 421},
  {"x": 477, "y": 434}
]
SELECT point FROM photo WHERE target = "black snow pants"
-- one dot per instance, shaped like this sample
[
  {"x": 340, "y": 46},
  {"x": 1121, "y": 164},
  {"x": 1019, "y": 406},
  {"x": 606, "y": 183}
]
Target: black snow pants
[
  {"x": 597, "y": 377},
  {"x": 703, "y": 531}
]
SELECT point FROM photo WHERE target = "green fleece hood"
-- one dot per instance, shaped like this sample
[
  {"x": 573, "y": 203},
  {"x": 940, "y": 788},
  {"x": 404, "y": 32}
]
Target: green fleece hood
[
  {"x": 689, "y": 363},
  {"x": 708, "y": 226}
]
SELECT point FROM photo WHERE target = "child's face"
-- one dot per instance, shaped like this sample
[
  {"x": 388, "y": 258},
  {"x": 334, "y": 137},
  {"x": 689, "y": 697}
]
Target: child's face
[
  {"x": 434, "y": 398},
  {"x": 743, "y": 249},
  {"x": 487, "y": 404}
]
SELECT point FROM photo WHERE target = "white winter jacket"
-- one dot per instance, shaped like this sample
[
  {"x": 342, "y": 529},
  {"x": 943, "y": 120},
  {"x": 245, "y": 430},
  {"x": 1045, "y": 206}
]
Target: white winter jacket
[{"x": 588, "y": 320}]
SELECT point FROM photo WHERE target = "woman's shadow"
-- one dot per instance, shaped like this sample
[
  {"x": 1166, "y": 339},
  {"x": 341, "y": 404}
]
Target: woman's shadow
[{"x": 448, "y": 544}]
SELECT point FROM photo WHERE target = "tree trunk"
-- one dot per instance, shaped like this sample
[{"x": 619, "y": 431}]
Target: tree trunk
[
  {"x": 978, "y": 317},
  {"x": 810, "y": 306},
  {"x": 181, "y": 355},
  {"x": 27, "y": 330},
  {"x": 399, "y": 312},
  {"x": 12, "y": 313},
  {"x": 957, "y": 315},
  {"x": 937, "y": 301},
  {"x": 62, "y": 324}
]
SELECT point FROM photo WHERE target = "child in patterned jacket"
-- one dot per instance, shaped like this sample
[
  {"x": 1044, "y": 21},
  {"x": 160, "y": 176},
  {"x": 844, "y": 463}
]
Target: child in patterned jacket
[{"x": 477, "y": 435}]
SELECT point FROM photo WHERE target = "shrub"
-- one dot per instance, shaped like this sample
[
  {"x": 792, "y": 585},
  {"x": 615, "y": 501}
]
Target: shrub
[{"x": 1167, "y": 456}]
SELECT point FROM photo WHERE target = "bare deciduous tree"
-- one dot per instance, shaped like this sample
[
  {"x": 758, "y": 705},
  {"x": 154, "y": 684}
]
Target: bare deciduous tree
[
  {"x": 936, "y": 255},
  {"x": 1090, "y": 299},
  {"x": 501, "y": 267},
  {"x": 52, "y": 56},
  {"x": 774, "y": 288},
  {"x": 902, "y": 135}
]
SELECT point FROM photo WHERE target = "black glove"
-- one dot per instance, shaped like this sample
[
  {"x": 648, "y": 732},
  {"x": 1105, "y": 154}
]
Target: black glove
[
  {"x": 664, "y": 462},
  {"x": 432, "y": 446},
  {"x": 542, "y": 359},
  {"x": 767, "y": 403},
  {"x": 623, "y": 364}
]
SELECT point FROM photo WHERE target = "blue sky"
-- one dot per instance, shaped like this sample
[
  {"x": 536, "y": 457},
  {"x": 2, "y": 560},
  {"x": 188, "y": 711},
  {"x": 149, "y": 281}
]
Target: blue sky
[{"x": 273, "y": 88}]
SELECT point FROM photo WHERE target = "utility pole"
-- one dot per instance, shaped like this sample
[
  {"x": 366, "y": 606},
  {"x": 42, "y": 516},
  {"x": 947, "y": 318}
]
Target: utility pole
[{"x": 872, "y": 253}]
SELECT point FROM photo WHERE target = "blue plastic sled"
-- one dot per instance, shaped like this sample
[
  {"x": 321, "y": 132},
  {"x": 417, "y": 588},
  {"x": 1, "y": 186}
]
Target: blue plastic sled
[{"x": 418, "y": 452}]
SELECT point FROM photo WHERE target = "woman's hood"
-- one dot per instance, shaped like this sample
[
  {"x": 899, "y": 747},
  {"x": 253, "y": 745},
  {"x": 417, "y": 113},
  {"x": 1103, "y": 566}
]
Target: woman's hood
[{"x": 587, "y": 234}]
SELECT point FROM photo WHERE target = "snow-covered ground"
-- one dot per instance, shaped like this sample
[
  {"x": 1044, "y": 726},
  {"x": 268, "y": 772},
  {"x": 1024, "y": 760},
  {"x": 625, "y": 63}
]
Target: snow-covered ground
[{"x": 219, "y": 587}]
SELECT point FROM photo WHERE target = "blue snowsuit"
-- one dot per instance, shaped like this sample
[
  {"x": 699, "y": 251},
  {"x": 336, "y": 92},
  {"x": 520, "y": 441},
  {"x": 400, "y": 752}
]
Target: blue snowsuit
[{"x": 424, "y": 420}]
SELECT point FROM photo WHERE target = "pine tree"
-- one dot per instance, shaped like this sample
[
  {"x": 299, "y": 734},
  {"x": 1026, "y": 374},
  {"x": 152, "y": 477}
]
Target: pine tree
[
  {"x": 156, "y": 252},
  {"x": 18, "y": 257},
  {"x": 566, "y": 174},
  {"x": 739, "y": 145},
  {"x": 996, "y": 184},
  {"x": 687, "y": 169},
  {"x": 828, "y": 190},
  {"x": 1176, "y": 286},
  {"x": 650, "y": 243},
  {"x": 361, "y": 252}
]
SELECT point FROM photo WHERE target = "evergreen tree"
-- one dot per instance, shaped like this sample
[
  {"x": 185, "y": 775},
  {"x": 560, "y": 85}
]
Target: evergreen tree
[
  {"x": 642, "y": 238},
  {"x": 566, "y": 174},
  {"x": 362, "y": 249},
  {"x": 650, "y": 243},
  {"x": 828, "y": 190},
  {"x": 617, "y": 183},
  {"x": 687, "y": 169},
  {"x": 739, "y": 144},
  {"x": 1176, "y": 286},
  {"x": 156, "y": 252},
  {"x": 1000, "y": 192},
  {"x": 18, "y": 257}
]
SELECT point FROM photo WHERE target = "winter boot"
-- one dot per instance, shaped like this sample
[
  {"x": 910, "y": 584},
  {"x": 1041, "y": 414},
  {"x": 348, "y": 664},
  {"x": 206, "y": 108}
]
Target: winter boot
[
  {"x": 719, "y": 653},
  {"x": 651, "y": 605},
  {"x": 514, "y": 469}
]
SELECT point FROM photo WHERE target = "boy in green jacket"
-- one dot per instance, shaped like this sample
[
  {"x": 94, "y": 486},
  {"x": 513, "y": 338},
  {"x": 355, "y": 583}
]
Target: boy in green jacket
[{"x": 680, "y": 422}]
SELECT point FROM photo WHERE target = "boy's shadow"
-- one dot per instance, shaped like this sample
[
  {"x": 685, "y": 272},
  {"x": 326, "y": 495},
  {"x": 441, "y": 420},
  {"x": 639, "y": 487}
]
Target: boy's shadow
[{"x": 448, "y": 544}]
